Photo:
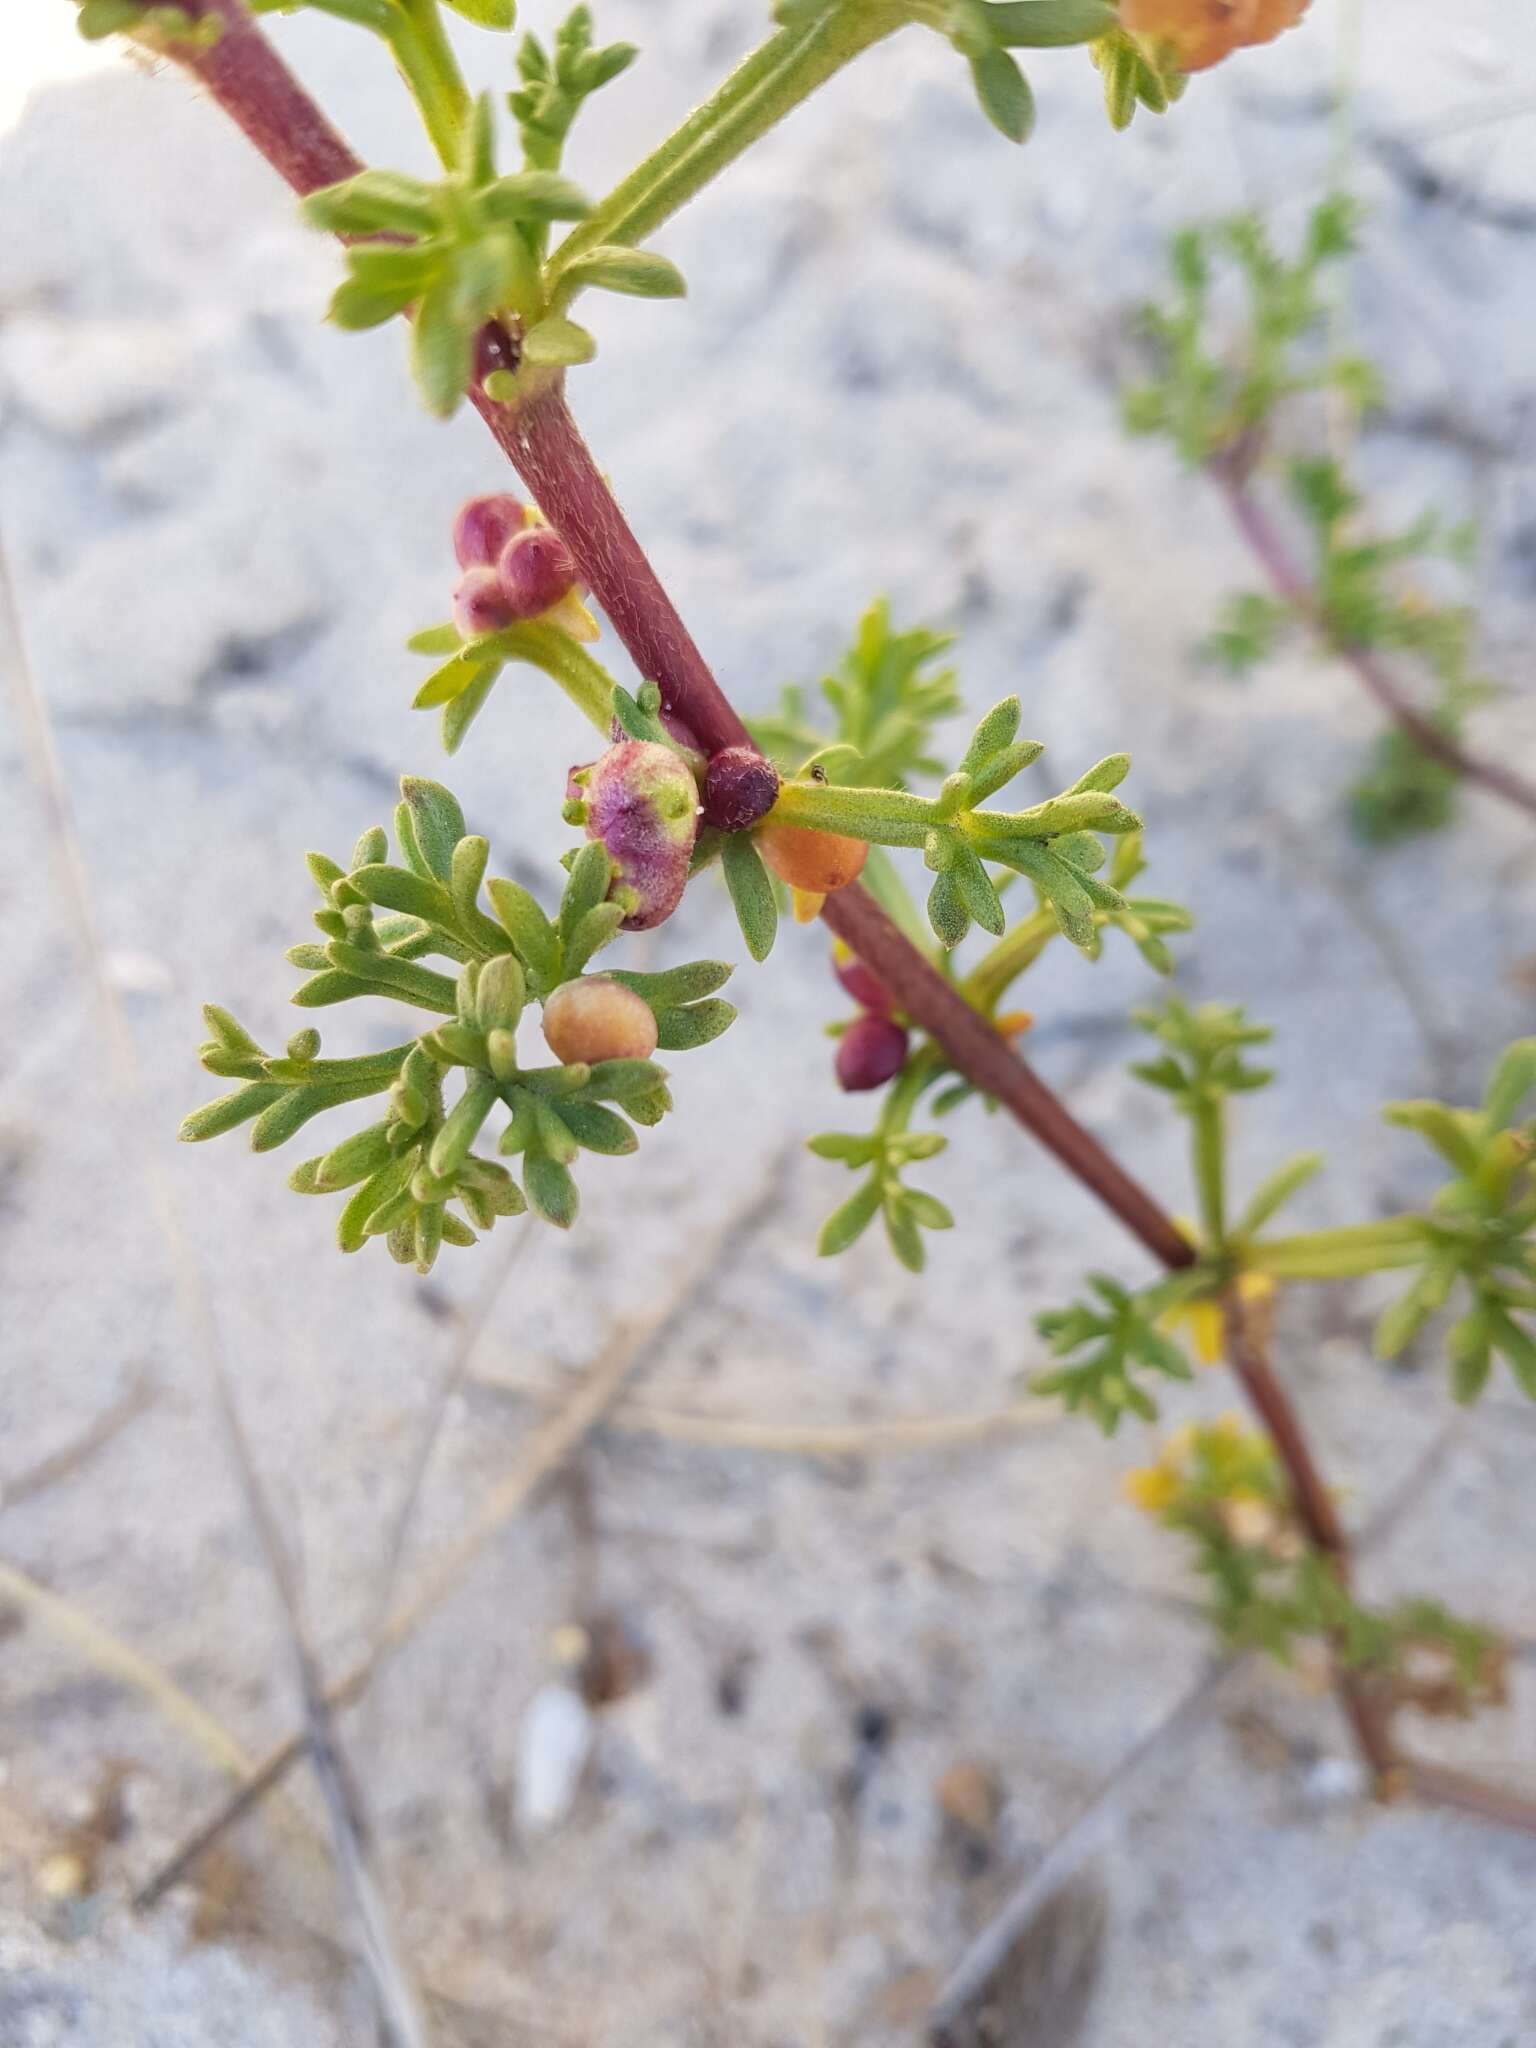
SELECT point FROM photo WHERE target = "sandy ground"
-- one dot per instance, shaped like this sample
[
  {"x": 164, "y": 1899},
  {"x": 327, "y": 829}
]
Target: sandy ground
[{"x": 894, "y": 372}]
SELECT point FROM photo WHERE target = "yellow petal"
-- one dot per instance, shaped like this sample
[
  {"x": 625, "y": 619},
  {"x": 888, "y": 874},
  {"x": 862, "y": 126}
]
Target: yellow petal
[
  {"x": 1151, "y": 1488},
  {"x": 572, "y": 617},
  {"x": 806, "y": 905}
]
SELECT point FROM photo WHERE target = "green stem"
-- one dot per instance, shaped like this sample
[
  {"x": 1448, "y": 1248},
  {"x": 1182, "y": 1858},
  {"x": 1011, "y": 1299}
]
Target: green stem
[
  {"x": 585, "y": 681},
  {"x": 430, "y": 69},
  {"x": 1340, "y": 1254},
  {"x": 757, "y": 95},
  {"x": 884, "y": 817},
  {"x": 1209, "y": 1152},
  {"x": 994, "y": 973}
]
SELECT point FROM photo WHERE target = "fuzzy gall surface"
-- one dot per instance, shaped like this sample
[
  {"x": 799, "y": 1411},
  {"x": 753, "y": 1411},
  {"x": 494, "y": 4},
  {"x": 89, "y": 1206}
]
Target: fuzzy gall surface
[
  {"x": 643, "y": 804},
  {"x": 740, "y": 786},
  {"x": 536, "y": 571},
  {"x": 597, "y": 1019}
]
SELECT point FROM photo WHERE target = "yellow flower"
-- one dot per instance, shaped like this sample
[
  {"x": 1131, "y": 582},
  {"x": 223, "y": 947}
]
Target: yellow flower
[
  {"x": 1202, "y": 1318},
  {"x": 1152, "y": 1488}
]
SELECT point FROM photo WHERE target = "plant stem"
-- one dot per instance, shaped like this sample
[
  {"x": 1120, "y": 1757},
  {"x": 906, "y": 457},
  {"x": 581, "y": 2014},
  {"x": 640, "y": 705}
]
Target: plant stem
[
  {"x": 548, "y": 452},
  {"x": 1231, "y": 475},
  {"x": 998, "y": 968},
  {"x": 1209, "y": 1147},
  {"x": 1246, "y": 1353},
  {"x": 251, "y": 83},
  {"x": 757, "y": 95},
  {"x": 975, "y": 1049},
  {"x": 427, "y": 64},
  {"x": 1339, "y": 1254},
  {"x": 539, "y": 435}
]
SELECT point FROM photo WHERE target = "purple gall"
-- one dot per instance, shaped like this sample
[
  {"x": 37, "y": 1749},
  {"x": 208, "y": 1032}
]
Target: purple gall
[
  {"x": 872, "y": 1051},
  {"x": 643, "y": 803},
  {"x": 536, "y": 571},
  {"x": 479, "y": 604},
  {"x": 484, "y": 526},
  {"x": 740, "y": 787}
]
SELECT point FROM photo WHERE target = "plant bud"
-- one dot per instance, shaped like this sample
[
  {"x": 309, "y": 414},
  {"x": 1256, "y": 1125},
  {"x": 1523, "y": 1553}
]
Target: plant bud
[
  {"x": 872, "y": 1051},
  {"x": 480, "y": 605},
  {"x": 642, "y": 803},
  {"x": 867, "y": 990},
  {"x": 740, "y": 786},
  {"x": 484, "y": 526},
  {"x": 597, "y": 1019},
  {"x": 1199, "y": 33},
  {"x": 816, "y": 862},
  {"x": 536, "y": 571}
]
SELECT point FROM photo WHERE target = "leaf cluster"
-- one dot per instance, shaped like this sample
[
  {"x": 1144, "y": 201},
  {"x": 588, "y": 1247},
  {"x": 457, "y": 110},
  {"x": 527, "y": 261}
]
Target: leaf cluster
[
  {"x": 905, "y": 1211},
  {"x": 1203, "y": 1057},
  {"x": 1114, "y": 1340},
  {"x": 1214, "y": 386},
  {"x": 886, "y": 697},
  {"x": 407, "y": 1168},
  {"x": 557, "y": 83},
  {"x": 1220, "y": 1486},
  {"x": 465, "y": 250},
  {"x": 1478, "y": 1239}
]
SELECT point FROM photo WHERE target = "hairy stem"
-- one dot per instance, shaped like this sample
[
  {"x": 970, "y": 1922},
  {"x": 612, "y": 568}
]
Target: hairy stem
[
  {"x": 251, "y": 83},
  {"x": 1253, "y": 522}
]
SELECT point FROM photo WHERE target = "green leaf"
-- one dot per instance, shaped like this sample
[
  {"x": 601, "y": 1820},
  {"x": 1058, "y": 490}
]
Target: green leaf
[
  {"x": 591, "y": 874},
  {"x": 550, "y": 1190},
  {"x": 381, "y": 971},
  {"x": 1512, "y": 1079},
  {"x": 752, "y": 896},
  {"x": 456, "y": 675},
  {"x": 1517, "y": 1347},
  {"x": 494, "y": 14},
  {"x": 599, "y": 926},
  {"x": 454, "y": 1141},
  {"x": 640, "y": 273},
  {"x": 1471, "y": 1353},
  {"x": 229, "y": 1111},
  {"x": 534, "y": 196},
  {"x": 682, "y": 1030},
  {"x": 851, "y": 1149},
  {"x": 399, "y": 889},
  {"x": 1004, "y": 93},
  {"x": 848, "y": 1223},
  {"x": 1048, "y": 24},
  {"x": 442, "y": 639},
  {"x": 947, "y": 911},
  {"x": 372, "y": 201},
  {"x": 442, "y": 350},
  {"x": 596, "y": 1128},
  {"x": 436, "y": 822},
  {"x": 675, "y": 985},
  {"x": 557, "y": 343},
  {"x": 1272, "y": 1194},
  {"x": 901, "y": 1229},
  {"x": 277, "y": 1123},
  {"x": 530, "y": 931}
]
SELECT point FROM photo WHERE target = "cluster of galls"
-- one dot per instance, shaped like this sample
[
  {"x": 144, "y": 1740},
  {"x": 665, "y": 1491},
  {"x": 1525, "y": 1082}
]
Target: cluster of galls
[
  {"x": 516, "y": 567},
  {"x": 873, "y": 1048}
]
